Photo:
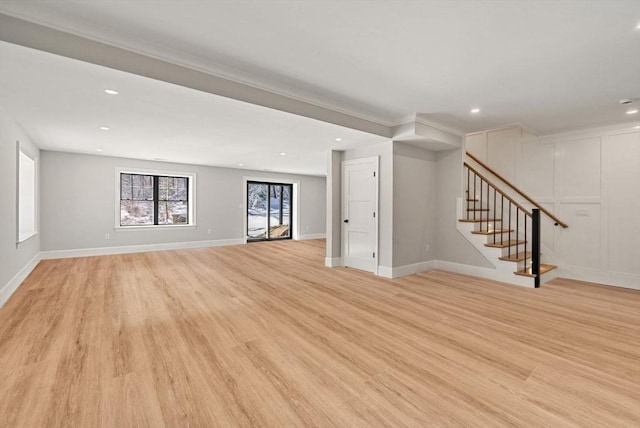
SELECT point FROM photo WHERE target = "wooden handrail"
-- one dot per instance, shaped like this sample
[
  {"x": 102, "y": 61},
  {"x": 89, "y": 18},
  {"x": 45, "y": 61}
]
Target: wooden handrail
[
  {"x": 475, "y": 171},
  {"x": 520, "y": 192}
]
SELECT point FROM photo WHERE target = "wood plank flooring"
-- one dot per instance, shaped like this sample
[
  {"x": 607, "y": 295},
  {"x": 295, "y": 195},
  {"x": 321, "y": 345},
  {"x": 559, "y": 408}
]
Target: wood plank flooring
[{"x": 264, "y": 335}]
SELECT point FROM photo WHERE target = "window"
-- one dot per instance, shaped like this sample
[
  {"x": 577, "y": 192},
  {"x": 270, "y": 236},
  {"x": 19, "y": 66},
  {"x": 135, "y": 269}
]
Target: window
[
  {"x": 148, "y": 199},
  {"x": 269, "y": 213},
  {"x": 26, "y": 195}
]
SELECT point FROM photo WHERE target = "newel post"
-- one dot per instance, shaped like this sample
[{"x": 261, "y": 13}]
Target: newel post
[{"x": 535, "y": 245}]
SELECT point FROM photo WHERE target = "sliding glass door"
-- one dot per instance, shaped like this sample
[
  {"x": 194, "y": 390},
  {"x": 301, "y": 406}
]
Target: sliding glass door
[{"x": 269, "y": 213}]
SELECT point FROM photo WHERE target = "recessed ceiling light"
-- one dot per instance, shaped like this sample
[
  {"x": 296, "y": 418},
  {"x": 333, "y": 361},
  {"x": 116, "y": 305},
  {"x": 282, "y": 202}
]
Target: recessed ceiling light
[
  {"x": 475, "y": 110},
  {"x": 338, "y": 139},
  {"x": 634, "y": 111},
  {"x": 240, "y": 164},
  {"x": 105, "y": 128},
  {"x": 625, "y": 101},
  {"x": 283, "y": 154},
  {"x": 99, "y": 150},
  {"x": 111, "y": 91},
  {"x": 636, "y": 127},
  {"x": 638, "y": 26}
]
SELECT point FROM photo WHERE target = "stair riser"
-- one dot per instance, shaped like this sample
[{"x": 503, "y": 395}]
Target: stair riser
[
  {"x": 486, "y": 226},
  {"x": 504, "y": 235},
  {"x": 520, "y": 249}
]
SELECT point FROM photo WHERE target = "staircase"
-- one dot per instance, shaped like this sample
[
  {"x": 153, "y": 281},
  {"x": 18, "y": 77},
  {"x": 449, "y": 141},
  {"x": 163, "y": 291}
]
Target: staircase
[{"x": 501, "y": 228}]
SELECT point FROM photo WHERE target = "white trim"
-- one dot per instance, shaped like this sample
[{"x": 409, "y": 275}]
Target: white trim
[
  {"x": 486, "y": 273},
  {"x": 333, "y": 262},
  {"x": 439, "y": 127},
  {"x": 10, "y": 287},
  {"x": 155, "y": 227},
  {"x": 385, "y": 271},
  {"x": 463, "y": 269},
  {"x": 22, "y": 149},
  {"x": 191, "y": 175},
  {"x": 501, "y": 128},
  {"x": 105, "y": 251},
  {"x": 26, "y": 237},
  {"x": 615, "y": 279},
  {"x": 397, "y": 272},
  {"x": 312, "y": 236},
  {"x": 578, "y": 133}
]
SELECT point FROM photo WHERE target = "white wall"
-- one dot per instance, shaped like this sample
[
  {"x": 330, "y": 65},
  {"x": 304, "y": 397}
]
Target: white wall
[
  {"x": 414, "y": 205},
  {"x": 78, "y": 203},
  {"x": 452, "y": 247},
  {"x": 590, "y": 180},
  {"x": 16, "y": 260},
  {"x": 334, "y": 209}
]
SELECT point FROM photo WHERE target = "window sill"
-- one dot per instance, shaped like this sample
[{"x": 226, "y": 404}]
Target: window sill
[
  {"x": 27, "y": 237},
  {"x": 155, "y": 227}
]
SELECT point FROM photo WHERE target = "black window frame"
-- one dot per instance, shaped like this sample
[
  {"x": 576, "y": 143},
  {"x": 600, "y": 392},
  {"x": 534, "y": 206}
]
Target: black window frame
[
  {"x": 268, "y": 229},
  {"x": 156, "y": 198}
]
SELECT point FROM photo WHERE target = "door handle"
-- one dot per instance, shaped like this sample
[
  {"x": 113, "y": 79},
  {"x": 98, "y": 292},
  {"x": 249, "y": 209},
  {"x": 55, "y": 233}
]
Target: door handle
[{"x": 346, "y": 221}]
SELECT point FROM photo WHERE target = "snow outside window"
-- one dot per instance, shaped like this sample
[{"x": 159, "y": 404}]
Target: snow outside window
[{"x": 150, "y": 199}]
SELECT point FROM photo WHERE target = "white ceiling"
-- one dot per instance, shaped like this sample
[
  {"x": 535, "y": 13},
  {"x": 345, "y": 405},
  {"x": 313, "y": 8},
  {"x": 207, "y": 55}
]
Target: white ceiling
[
  {"x": 61, "y": 104},
  {"x": 550, "y": 65}
]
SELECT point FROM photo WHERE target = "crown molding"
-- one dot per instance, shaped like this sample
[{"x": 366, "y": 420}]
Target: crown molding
[
  {"x": 621, "y": 128},
  {"x": 416, "y": 118},
  {"x": 411, "y": 118},
  {"x": 503, "y": 127},
  {"x": 439, "y": 126}
]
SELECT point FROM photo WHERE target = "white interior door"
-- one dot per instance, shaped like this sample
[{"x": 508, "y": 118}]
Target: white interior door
[{"x": 360, "y": 214}]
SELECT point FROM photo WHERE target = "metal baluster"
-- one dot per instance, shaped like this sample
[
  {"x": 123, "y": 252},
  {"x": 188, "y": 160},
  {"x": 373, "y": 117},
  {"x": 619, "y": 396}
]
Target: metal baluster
[
  {"x": 525, "y": 241},
  {"x": 509, "y": 250},
  {"x": 517, "y": 230},
  {"x": 475, "y": 179},
  {"x": 481, "y": 181},
  {"x": 468, "y": 189},
  {"x": 488, "y": 209},
  {"x": 501, "y": 218},
  {"x": 494, "y": 213}
]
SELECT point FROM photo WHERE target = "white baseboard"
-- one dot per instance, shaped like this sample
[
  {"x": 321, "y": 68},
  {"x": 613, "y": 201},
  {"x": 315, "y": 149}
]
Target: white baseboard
[
  {"x": 333, "y": 262},
  {"x": 385, "y": 271},
  {"x": 480, "y": 272},
  {"x": 397, "y": 272},
  {"x": 486, "y": 273},
  {"x": 607, "y": 278},
  {"x": 105, "y": 251},
  {"x": 10, "y": 287},
  {"x": 312, "y": 236}
]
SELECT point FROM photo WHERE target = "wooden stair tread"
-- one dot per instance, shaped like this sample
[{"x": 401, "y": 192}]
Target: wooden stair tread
[
  {"x": 527, "y": 271},
  {"x": 504, "y": 244},
  {"x": 491, "y": 232},
  {"x": 477, "y": 220},
  {"x": 517, "y": 258}
]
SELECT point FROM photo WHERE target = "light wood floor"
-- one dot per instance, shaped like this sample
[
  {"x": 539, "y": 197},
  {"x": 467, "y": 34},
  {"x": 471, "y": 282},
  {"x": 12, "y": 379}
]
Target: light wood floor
[{"x": 264, "y": 335}]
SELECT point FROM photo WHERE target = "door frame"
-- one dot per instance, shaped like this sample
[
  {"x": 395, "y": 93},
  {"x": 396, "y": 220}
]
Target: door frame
[
  {"x": 295, "y": 229},
  {"x": 376, "y": 161}
]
